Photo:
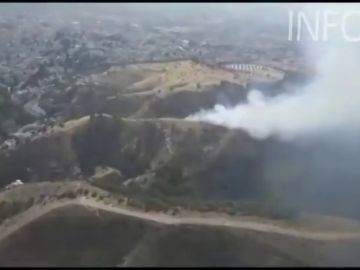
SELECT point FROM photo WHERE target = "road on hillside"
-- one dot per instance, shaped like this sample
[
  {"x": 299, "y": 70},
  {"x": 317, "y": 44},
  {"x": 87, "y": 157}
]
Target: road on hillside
[{"x": 37, "y": 211}]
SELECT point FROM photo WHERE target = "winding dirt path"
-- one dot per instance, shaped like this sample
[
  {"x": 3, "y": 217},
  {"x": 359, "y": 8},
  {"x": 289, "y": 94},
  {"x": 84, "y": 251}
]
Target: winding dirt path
[
  {"x": 240, "y": 223},
  {"x": 226, "y": 222}
]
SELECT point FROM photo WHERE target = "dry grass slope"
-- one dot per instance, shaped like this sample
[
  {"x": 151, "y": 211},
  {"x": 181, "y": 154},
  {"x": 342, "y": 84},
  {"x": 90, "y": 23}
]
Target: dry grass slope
[{"x": 168, "y": 76}]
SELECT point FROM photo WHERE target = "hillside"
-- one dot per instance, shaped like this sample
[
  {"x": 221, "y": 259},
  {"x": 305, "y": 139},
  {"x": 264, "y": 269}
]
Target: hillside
[
  {"x": 162, "y": 89},
  {"x": 60, "y": 216},
  {"x": 142, "y": 238},
  {"x": 184, "y": 163},
  {"x": 169, "y": 76},
  {"x": 11, "y": 115},
  {"x": 164, "y": 147},
  {"x": 101, "y": 165}
]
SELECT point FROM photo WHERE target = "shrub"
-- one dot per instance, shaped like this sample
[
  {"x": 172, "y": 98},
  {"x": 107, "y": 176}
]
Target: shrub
[
  {"x": 154, "y": 204},
  {"x": 41, "y": 197},
  {"x": 70, "y": 194},
  {"x": 136, "y": 204},
  {"x": 61, "y": 195},
  {"x": 30, "y": 202}
]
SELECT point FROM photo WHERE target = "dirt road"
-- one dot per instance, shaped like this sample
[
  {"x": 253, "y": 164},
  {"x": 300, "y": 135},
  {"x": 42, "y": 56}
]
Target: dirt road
[
  {"x": 227, "y": 222},
  {"x": 26, "y": 217}
]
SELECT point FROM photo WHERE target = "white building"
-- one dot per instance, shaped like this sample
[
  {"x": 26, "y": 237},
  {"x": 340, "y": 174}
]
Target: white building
[{"x": 257, "y": 72}]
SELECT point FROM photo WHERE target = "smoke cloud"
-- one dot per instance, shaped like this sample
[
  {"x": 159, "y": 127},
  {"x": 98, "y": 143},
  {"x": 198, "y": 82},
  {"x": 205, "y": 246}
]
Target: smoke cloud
[{"x": 329, "y": 103}]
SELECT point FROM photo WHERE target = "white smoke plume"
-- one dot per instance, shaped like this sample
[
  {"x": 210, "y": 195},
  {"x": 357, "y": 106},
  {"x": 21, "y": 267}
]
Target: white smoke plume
[{"x": 329, "y": 103}]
